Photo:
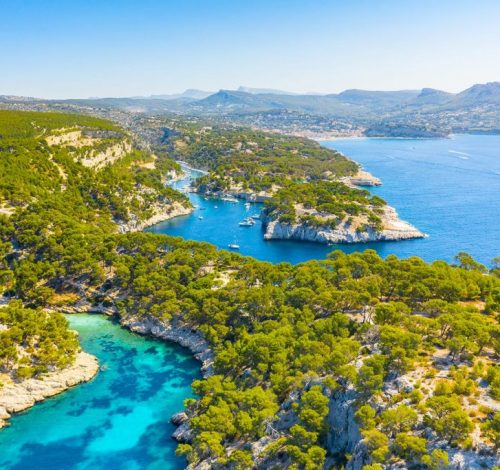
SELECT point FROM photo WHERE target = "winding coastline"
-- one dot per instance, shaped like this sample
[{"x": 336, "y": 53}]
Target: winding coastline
[{"x": 18, "y": 397}]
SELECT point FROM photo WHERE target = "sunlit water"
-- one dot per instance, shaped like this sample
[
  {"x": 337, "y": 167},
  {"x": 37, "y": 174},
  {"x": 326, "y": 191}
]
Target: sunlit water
[
  {"x": 448, "y": 188},
  {"x": 119, "y": 420}
]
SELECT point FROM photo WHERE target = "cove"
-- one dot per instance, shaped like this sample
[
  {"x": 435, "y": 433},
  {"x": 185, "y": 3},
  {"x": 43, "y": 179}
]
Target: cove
[
  {"x": 448, "y": 188},
  {"x": 119, "y": 420}
]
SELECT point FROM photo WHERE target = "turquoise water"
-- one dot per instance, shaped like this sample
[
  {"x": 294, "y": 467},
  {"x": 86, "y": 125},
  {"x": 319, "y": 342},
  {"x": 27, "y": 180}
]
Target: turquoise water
[
  {"x": 119, "y": 420},
  {"x": 448, "y": 188}
]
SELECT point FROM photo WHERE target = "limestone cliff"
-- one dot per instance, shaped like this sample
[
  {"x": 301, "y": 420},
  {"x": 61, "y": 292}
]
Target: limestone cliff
[
  {"x": 178, "y": 333},
  {"x": 18, "y": 396},
  {"x": 160, "y": 211},
  {"x": 393, "y": 229}
]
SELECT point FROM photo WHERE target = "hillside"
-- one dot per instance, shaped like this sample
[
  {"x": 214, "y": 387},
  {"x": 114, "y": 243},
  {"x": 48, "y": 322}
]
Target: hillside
[
  {"x": 49, "y": 160},
  {"x": 352, "y": 361}
]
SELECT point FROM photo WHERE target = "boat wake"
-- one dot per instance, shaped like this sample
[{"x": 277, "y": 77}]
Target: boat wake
[{"x": 461, "y": 155}]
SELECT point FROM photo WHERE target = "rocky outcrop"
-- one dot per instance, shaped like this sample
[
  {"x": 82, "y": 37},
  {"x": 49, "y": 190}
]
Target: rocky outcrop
[
  {"x": 178, "y": 333},
  {"x": 179, "y": 418},
  {"x": 161, "y": 212},
  {"x": 393, "y": 229},
  {"x": 18, "y": 396},
  {"x": 183, "y": 434},
  {"x": 248, "y": 196},
  {"x": 112, "y": 153},
  {"x": 95, "y": 157},
  {"x": 361, "y": 178},
  {"x": 343, "y": 430},
  {"x": 344, "y": 437}
]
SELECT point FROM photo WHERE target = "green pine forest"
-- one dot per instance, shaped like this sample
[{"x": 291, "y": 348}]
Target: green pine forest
[{"x": 288, "y": 339}]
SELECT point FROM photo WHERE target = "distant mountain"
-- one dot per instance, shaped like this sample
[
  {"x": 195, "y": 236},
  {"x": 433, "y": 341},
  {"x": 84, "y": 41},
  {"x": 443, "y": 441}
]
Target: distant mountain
[
  {"x": 189, "y": 93},
  {"x": 488, "y": 93},
  {"x": 261, "y": 91},
  {"x": 421, "y": 113},
  {"x": 432, "y": 96},
  {"x": 377, "y": 98},
  {"x": 347, "y": 103}
]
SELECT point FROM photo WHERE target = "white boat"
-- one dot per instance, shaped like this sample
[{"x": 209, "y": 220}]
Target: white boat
[
  {"x": 234, "y": 246},
  {"x": 247, "y": 205},
  {"x": 216, "y": 207},
  {"x": 200, "y": 217},
  {"x": 248, "y": 222},
  {"x": 255, "y": 217},
  {"x": 229, "y": 199}
]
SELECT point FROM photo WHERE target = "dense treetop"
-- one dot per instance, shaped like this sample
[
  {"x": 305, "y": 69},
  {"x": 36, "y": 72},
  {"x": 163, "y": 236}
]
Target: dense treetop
[
  {"x": 255, "y": 160},
  {"x": 325, "y": 203}
]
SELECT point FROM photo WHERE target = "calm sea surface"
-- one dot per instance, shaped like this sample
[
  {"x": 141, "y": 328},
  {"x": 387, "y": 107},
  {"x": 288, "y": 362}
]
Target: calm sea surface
[{"x": 448, "y": 188}]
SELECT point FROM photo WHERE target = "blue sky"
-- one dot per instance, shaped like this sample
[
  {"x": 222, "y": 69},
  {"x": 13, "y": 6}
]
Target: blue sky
[{"x": 82, "y": 48}]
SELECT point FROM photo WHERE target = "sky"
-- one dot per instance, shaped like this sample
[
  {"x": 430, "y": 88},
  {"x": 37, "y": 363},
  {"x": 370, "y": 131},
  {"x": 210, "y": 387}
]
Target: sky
[{"x": 84, "y": 48}]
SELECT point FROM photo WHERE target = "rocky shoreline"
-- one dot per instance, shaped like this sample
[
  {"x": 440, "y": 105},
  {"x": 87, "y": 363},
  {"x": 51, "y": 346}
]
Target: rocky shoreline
[
  {"x": 361, "y": 178},
  {"x": 161, "y": 213},
  {"x": 176, "y": 332},
  {"x": 17, "y": 397},
  {"x": 394, "y": 229}
]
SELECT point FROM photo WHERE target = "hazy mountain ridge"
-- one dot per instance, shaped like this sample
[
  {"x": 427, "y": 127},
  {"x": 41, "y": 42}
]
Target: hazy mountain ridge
[{"x": 402, "y": 113}]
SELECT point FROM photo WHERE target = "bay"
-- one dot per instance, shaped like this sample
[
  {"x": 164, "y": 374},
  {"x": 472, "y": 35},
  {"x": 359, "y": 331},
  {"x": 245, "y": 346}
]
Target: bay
[
  {"x": 119, "y": 420},
  {"x": 448, "y": 188}
]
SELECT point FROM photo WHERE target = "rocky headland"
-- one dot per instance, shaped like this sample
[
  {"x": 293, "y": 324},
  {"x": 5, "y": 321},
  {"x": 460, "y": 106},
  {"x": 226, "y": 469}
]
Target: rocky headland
[
  {"x": 18, "y": 396},
  {"x": 160, "y": 213},
  {"x": 393, "y": 229}
]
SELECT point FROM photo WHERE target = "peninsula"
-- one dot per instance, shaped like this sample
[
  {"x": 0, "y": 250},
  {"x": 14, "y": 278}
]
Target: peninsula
[{"x": 311, "y": 193}]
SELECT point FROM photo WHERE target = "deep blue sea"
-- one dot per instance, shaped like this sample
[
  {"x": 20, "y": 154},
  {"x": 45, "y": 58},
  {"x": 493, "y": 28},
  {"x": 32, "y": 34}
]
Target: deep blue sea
[
  {"x": 448, "y": 188},
  {"x": 119, "y": 420}
]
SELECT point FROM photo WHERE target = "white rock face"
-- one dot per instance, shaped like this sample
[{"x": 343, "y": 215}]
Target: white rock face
[
  {"x": 112, "y": 154},
  {"x": 162, "y": 212},
  {"x": 394, "y": 229},
  {"x": 361, "y": 178},
  {"x": 343, "y": 430},
  {"x": 177, "y": 333},
  {"x": 15, "y": 397}
]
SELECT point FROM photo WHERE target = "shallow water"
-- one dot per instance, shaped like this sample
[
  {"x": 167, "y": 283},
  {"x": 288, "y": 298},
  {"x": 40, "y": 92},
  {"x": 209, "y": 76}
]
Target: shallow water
[
  {"x": 448, "y": 188},
  {"x": 119, "y": 420}
]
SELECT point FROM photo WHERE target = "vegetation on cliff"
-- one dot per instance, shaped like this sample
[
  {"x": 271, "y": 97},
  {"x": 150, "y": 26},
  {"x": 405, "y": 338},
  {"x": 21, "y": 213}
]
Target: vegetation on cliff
[
  {"x": 301, "y": 182},
  {"x": 286, "y": 338},
  {"x": 33, "y": 342},
  {"x": 325, "y": 204}
]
